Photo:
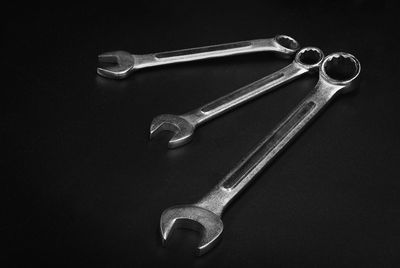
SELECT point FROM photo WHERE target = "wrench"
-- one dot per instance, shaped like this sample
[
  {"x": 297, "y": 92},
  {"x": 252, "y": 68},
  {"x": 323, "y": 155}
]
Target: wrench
[
  {"x": 125, "y": 63},
  {"x": 306, "y": 60},
  {"x": 338, "y": 73}
]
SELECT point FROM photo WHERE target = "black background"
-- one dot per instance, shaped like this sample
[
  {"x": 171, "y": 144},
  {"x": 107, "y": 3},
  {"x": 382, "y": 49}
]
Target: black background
[{"x": 83, "y": 185}]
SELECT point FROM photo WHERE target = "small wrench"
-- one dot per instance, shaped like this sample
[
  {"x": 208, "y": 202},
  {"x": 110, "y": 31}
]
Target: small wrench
[
  {"x": 338, "y": 73},
  {"x": 306, "y": 60},
  {"x": 125, "y": 63}
]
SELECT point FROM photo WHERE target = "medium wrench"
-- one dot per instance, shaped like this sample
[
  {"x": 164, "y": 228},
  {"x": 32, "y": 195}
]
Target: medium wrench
[
  {"x": 339, "y": 72},
  {"x": 306, "y": 60},
  {"x": 125, "y": 63}
]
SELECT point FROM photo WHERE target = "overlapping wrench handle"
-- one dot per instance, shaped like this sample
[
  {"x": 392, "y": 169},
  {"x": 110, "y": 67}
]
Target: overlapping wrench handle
[
  {"x": 339, "y": 73},
  {"x": 307, "y": 60}
]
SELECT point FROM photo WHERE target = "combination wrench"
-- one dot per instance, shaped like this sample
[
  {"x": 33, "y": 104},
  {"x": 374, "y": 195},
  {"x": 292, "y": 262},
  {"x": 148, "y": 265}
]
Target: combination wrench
[
  {"x": 123, "y": 63},
  {"x": 307, "y": 60},
  {"x": 338, "y": 73}
]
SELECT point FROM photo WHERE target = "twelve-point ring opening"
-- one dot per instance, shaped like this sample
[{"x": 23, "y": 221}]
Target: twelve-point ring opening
[
  {"x": 341, "y": 67},
  {"x": 287, "y": 42},
  {"x": 310, "y": 57}
]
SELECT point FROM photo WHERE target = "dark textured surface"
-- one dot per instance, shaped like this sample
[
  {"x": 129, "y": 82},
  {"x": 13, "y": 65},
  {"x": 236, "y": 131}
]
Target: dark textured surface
[{"x": 83, "y": 185}]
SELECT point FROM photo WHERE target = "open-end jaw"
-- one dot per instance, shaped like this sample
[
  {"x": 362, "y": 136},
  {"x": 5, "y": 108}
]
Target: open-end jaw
[
  {"x": 117, "y": 64},
  {"x": 181, "y": 127},
  {"x": 195, "y": 218}
]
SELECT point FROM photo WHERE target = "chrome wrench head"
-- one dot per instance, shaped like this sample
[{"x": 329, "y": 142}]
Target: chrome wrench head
[
  {"x": 195, "y": 218},
  {"x": 342, "y": 70},
  {"x": 181, "y": 127},
  {"x": 309, "y": 58},
  {"x": 286, "y": 44},
  {"x": 120, "y": 64}
]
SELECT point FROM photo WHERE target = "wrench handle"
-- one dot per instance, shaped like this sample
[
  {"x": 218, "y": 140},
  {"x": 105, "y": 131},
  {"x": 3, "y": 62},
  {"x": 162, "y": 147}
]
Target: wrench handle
[
  {"x": 247, "y": 169},
  {"x": 246, "y": 93},
  {"x": 206, "y": 52}
]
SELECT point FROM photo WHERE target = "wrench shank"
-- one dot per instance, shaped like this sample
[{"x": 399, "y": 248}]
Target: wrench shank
[
  {"x": 265, "y": 149},
  {"x": 195, "y": 52},
  {"x": 246, "y": 93},
  {"x": 247, "y": 169},
  {"x": 206, "y": 52}
]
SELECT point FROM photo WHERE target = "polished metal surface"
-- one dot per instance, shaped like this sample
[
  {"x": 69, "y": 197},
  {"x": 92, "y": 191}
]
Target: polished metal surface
[
  {"x": 123, "y": 63},
  {"x": 339, "y": 73},
  {"x": 307, "y": 60}
]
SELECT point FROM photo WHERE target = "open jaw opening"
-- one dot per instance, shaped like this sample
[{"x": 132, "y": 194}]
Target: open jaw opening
[
  {"x": 341, "y": 67},
  {"x": 115, "y": 64},
  {"x": 180, "y": 223},
  {"x": 205, "y": 222},
  {"x": 287, "y": 42}
]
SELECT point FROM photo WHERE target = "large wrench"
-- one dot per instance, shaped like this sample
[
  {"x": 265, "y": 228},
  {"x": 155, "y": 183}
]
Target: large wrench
[
  {"x": 125, "y": 63},
  {"x": 306, "y": 60},
  {"x": 338, "y": 73}
]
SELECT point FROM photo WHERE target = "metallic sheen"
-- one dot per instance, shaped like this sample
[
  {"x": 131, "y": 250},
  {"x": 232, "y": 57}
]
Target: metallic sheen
[
  {"x": 339, "y": 73},
  {"x": 307, "y": 60},
  {"x": 123, "y": 63}
]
